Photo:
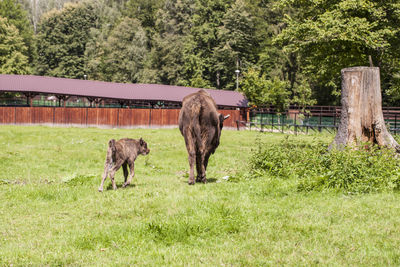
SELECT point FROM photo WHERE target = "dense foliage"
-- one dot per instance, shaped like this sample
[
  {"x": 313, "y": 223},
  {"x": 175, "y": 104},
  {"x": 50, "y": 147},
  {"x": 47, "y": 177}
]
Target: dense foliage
[
  {"x": 295, "y": 49},
  {"x": 350, "y": 171}
]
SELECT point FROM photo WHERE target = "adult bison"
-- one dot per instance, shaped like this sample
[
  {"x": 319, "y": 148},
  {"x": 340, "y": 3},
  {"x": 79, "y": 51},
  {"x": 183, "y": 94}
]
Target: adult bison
[{"x": 201, "y": 125}]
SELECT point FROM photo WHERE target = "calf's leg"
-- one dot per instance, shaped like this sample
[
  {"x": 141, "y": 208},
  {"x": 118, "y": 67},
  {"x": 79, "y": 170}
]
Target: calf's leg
[
  {"x": 107, "y": 167},
  {"x": 125, "y": 169},
  {"x": 131, "y": 168},
  {"x": 105, "y": 173},
  {"x": 113, "y": 171}
]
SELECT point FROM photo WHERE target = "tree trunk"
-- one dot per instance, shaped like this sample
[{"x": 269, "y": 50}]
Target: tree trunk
[{"x": 361, "y": 116}]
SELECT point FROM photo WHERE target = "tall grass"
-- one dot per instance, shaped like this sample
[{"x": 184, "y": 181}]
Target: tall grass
[
  {"x": 316, "y": 168},
  {"x": 51, "y": 213}
]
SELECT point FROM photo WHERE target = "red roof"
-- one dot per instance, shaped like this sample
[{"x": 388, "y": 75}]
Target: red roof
[{"x": 88, "y": 88}]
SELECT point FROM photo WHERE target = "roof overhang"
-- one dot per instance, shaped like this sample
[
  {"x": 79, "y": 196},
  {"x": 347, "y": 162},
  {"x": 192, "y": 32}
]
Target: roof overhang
[{"x": 123, "y": 91}]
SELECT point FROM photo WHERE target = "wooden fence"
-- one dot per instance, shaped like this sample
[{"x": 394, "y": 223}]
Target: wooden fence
[{"x": 103, "y": 117}]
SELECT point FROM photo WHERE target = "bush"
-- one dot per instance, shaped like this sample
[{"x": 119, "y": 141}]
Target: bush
[{"x": 316, "y": 168}]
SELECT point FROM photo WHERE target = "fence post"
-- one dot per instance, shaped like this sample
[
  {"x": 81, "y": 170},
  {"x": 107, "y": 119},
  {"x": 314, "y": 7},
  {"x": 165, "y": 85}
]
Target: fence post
[
  {"x": 334, "y": 120},
  {"x": 295, "y": 123},
  {"x": 320, "y": 122},
  {"x": 308, "y": 120},
  {"x": 261, "y": 121},
  {"x": 150, "y": 117},
  {"x": 272, "y": 115},
  {"x": 118, "y": 118}
]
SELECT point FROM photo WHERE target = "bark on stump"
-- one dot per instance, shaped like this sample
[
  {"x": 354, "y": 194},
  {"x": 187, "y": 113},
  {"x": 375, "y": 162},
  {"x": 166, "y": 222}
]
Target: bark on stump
[{"x": 361, "y": 116}]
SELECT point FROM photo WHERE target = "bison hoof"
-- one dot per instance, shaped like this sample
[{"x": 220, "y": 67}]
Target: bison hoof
[
  {"x": 100, "y": 190},
  {"x": 201, "y": 180},
  {"x": 191, "y": 182}
]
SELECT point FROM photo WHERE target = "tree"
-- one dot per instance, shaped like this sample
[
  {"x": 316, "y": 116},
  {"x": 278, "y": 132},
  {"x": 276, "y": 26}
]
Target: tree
[
  {"x": 108, "y": 18},
  {"x": 253, "y": 87},
  {"x": 143, "y": 10},
  {"x": 237, "y": 45},
  {"x": 203, "y": 38},
  {"x": 302, "y": 95},
  {"x": 125, "y": 52},
  {"x": 61, "y": 40},
  {"x": 361, "y": 117},
  {"x": 37, "y": 8},
  {"x": 18, "y": 17},
  {"x": 172, "y": 27},
  {"x": 331, "y": 35},
  {"x": 262, "y": 92},
  {"x": 12, "y": 50}
]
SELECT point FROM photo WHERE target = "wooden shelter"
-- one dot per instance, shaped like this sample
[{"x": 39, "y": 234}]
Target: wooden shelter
[{"x": 158, "y": 104}]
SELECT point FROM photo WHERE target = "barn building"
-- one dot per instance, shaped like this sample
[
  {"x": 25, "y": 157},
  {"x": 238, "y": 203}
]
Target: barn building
[{"x": 29, "y": 99}]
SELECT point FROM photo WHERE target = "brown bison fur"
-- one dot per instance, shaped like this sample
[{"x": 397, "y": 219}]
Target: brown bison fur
[
  {"x": 201, "y": 125},
  {"x": 122, "y": 153}
]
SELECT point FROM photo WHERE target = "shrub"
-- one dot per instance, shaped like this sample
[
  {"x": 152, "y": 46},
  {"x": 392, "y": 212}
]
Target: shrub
[{"x": 316, "y": 168}]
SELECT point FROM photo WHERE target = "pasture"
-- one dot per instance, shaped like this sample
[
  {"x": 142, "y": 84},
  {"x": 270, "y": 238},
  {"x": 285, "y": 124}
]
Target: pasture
[{"x": 52, "y": 214}]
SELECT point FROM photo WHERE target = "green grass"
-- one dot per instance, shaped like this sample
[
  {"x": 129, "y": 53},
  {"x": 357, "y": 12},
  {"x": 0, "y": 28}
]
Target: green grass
[{"x": 51, "y": 212}]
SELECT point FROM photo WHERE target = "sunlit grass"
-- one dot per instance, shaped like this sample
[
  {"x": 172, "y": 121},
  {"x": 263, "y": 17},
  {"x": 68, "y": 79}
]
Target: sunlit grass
[{"x": 51, "y": 212}]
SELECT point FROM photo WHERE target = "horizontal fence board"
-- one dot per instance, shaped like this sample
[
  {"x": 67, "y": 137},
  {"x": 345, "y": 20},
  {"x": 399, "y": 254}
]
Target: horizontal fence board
[
  {"x": 171, "y": 116},
  {"x": 42, "y": 115},
  {"x": 107, "y": 116},
  {"x": 125, "y": 117},
  {"x": 23, "y": 115},
  {"x": 141, "y": 117},
  {"x": 7, "y": 115},
  {"x": 75, "y": 115},
  {"x": 91, "y": 116},
  {"x": 113, "y": 117}
]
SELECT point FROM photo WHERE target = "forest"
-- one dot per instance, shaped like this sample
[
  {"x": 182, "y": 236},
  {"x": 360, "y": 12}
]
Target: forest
[{"x": 277, "y": 52}]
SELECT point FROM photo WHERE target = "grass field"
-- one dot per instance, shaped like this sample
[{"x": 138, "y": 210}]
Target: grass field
[{"x": 51, "y": 213}]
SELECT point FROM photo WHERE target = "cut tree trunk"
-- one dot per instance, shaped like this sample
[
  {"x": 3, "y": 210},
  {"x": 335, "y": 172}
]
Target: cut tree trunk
[{"x": 361, "y": 116}]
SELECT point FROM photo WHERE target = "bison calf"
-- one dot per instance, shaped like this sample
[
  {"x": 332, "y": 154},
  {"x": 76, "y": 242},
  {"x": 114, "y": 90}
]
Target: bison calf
[{"x": 122, "y": 153}]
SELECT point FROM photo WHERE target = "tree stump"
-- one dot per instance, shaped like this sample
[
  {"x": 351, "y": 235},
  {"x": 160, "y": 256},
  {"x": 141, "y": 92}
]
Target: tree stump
[{"x": 361, "y": 116}]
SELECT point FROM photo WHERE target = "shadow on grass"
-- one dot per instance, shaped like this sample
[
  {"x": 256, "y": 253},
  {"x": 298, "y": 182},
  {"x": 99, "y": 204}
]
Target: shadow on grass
[
  {"x": 209, "y": 181},
  {"x": 119, "y": 186}
]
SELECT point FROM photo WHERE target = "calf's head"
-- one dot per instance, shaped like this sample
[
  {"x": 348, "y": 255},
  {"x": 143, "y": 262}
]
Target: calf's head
[{"x": 143, "y": 150}]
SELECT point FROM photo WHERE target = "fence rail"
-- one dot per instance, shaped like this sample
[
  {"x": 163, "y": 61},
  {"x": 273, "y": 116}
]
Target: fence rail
[
  {"x": 104, "y": 117},
  {"x": 317, "y": 119}
]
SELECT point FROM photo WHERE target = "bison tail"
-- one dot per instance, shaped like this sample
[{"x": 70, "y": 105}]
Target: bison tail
[
  {"x": 111, "y": 152},
  {"x": 197, "y": 127},
  {"x": 111, "y": 144}
]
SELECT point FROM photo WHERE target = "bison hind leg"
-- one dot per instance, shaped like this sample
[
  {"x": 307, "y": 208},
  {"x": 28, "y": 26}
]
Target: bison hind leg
[
  {"x": 199, "y": 163},
  {"x": 203, "y": 179},
  {"x": 202, "y": 160},
  {"x": 192, "y": 159},
  {"x": 191, "y": 149}
]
